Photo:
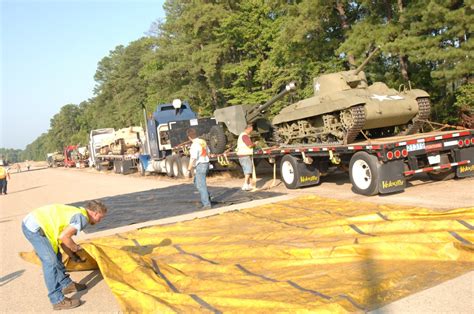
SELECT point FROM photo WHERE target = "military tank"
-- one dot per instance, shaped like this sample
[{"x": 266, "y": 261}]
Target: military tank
[
  {"x": 344, "y": 104},
  {"x": 123, "y": 141}
]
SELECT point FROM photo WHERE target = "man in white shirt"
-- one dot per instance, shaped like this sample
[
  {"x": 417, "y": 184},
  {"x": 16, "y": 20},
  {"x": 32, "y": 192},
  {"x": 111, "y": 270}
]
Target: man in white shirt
[
  {"x": 245, "y": 152},
  {"x": 199, "y": 159}
]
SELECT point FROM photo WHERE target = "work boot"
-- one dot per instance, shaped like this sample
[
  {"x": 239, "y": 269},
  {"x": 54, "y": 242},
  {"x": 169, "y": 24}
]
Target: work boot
[
  {"x": 74, "y": 287},
  {"x": 66, "y": 304}
]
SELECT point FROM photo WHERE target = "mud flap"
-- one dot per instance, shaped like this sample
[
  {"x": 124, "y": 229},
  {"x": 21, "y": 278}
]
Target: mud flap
[
  {"x": 464, "y": 171},
  {"x": 308, "y": 175},
  {"x": 295, "y": 173},
  {"x": 391, "y": 178}
]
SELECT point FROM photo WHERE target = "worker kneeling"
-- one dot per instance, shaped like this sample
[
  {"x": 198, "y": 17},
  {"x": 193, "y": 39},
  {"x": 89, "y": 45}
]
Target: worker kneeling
[{"x": 50, "y": 226}]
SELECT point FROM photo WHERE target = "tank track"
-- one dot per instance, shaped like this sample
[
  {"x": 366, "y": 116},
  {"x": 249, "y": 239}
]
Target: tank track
[
  {"x": 358, "y": 116},
  {"x": 276, "y": 138},
  {"x": 424, "y": 110}
]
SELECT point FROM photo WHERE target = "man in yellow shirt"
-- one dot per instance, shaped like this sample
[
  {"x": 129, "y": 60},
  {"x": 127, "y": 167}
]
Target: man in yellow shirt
[
  {"x": 4, "y": 177},
  {"x": 51, "y": 226}
]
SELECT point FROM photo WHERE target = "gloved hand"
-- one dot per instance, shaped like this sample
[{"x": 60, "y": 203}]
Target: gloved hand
[
  {"x": 72, "y": 255},
  {"x": 76, "y": 258}
]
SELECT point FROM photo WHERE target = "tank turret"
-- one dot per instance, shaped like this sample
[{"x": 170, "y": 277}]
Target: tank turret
[{"x": 344, "y": 104}]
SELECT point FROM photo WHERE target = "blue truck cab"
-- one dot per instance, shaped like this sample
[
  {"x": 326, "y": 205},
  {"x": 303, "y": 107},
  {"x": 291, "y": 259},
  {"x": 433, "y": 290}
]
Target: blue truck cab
[
  {"x": 159, "y": 144},
  {"x": 166, "y": 130}
]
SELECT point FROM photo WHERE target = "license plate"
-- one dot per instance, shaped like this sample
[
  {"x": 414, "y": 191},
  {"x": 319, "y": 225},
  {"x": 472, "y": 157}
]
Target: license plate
[
  {"x": 417, "y": 146},
  {"x": 433, "y": 160}
]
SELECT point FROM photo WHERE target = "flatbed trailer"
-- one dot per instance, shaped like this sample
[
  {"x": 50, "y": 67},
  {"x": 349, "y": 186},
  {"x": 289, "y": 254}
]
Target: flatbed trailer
[{"x": 375, "y": 166}]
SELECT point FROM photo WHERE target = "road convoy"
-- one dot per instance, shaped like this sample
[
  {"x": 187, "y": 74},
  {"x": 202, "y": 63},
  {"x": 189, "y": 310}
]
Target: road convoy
[{"x": 370, "y": 131}]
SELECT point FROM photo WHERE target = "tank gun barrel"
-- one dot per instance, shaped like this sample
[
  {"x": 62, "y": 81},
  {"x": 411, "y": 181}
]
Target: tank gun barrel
[
  {"x": 255, "y": 111},
  {"x": 371, "y": 55}
]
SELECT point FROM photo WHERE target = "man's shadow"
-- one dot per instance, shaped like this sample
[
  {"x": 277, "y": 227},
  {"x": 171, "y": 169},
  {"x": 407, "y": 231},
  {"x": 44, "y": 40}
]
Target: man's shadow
[{"x": 91, "y": 280}]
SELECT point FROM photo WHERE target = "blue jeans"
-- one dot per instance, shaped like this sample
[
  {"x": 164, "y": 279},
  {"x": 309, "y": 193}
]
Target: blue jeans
[
  {"x": 3, "y": 186},
  {"x": 54, "y": 271},
  {"x": 200, "y": 182}
]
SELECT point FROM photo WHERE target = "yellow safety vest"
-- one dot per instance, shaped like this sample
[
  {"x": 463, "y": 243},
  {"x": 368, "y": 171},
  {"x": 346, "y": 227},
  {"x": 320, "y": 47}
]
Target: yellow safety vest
[
  {"x": 54, "y": 218},
  {"x": 3, "y": 172},
  {"x": 242, "y": 148}
]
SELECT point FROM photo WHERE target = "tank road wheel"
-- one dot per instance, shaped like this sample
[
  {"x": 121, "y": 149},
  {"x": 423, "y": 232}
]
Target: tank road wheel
[
  {"x": 217, "y": 140},
  {"x": 364, "y": 173},
  {"x": 184, "y": 166},
  {"x": 169, "y": 165},
  {"x": 289, "y": 171},
  {"x": 346, "y": 119},
  {"x": 176, "y": 167}
]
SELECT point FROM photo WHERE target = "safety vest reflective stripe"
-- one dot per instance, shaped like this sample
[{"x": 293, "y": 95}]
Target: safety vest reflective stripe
[
  {"x": 54, "y": 218},
  {"x": 242, "y": 148}
]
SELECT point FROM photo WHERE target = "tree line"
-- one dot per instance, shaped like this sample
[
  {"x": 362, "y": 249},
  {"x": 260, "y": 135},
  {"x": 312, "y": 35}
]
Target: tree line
[{"x": 216, "y": 53}]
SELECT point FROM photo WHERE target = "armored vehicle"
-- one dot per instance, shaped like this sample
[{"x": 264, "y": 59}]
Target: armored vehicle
[
  {"x": 344, "y": 104},
  {"x": 123, "y": 141},
  {"x": 233, "y": 120}
]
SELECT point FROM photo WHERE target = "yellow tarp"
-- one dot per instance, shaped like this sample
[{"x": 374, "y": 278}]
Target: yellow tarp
[{"x": 308, "y": 254}]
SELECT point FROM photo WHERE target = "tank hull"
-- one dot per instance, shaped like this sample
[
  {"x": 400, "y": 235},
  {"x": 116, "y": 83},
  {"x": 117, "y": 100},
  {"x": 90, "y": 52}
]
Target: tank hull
[{"x": 331, "y": 115}]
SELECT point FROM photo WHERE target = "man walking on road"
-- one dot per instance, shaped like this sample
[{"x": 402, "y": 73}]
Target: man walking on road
[
  {"x": 51, "y": 226},
  {"x": 245, "y": 153},
  {"x": 199, "y": 158}
]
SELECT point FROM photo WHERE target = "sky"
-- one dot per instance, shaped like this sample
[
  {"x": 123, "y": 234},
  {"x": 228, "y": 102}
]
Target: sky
[{"x": 49, "y": 55}]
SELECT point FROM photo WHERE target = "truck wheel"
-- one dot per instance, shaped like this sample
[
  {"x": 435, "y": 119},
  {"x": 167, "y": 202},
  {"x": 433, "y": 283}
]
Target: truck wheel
[
  {"x": 217, "y": 140},
  {"x": 364, "y": 173},
  {"x": 184, "y": 166},
  {"x": 169, "y": 165},
  {"x": 443, "y": 175},
  {"x": 176, "y": 165},
  {"x": 289, "y": 171},
  {"x": 141, "y": 169}
]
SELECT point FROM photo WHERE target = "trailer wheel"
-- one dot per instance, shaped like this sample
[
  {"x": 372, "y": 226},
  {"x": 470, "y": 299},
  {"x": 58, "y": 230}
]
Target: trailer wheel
[
  {"x": 289, "y": 171},
  {"x": 217, "y": 140},
  {"x": 184, "y": 166},
  {"x": 443, "y": 175},
  {"x": 169, "y": 165},
  {"x": 364, "y": 173},
  {"x": 176, "y": 165},
  {"x": 117, "y": 166}
]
